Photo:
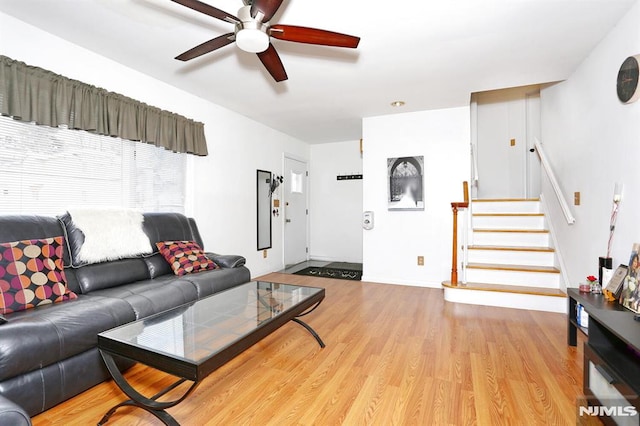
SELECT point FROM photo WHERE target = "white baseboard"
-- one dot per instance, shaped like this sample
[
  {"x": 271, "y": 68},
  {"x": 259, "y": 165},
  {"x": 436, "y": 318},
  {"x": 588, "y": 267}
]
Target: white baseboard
[
  {"x": 335, "y": 259},
  {"x": 262, "y": 272},
  {"x": 395, "y": 281}
]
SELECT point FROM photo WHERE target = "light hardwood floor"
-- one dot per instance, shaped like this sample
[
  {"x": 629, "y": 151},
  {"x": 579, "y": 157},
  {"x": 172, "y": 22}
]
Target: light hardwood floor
[{"x": 395, "y": 355}]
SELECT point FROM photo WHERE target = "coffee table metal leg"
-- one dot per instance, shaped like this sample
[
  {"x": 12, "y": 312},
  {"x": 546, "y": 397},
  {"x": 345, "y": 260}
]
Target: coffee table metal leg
[
  {"x": 161, "y": 415},
  {"x": 307, "y": 326},
  {"x": 310, "y": 310},
  {"x": 151, "y": 405},
  {"x": 299, "y": 321},
  {"x": 310, "y": 330}
]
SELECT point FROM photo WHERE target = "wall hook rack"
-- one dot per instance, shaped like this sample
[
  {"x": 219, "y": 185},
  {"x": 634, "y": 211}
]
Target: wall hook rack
[{"x": 349, "y": 177}]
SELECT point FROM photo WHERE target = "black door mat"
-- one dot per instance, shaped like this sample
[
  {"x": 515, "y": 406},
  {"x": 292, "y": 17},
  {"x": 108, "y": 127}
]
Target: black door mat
[
  {"x": 340, "y": 274},
  {"x": 345, "y": 265}
]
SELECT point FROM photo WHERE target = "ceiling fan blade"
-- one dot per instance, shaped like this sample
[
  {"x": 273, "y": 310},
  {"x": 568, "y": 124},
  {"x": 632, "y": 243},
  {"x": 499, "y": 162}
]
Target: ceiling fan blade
[
  {"x": 267, "y": 7},
  {"x": 313, "y": 36},
  {"x": 208, "y": 10},
  {"x": 207, "y": 46},
  {"x": 271, "y": 60}
]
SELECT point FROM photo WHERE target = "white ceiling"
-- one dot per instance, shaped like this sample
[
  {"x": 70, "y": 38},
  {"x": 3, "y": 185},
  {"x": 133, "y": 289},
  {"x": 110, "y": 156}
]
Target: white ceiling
[{"x": 429, "y": 53}]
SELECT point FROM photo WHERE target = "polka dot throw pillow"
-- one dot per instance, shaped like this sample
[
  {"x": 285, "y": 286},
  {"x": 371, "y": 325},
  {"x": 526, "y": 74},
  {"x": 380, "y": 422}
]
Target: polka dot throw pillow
[
  {"x": 185, "y": 257},
  {"x": 32, "y": 274}
]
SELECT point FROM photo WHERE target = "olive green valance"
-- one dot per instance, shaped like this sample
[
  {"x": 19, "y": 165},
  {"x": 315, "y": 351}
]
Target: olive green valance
[{"x": 32, "y": 94}]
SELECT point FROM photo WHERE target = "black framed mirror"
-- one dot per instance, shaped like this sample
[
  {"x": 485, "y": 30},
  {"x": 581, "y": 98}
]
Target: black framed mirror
[{"x": 263, "y": 179}]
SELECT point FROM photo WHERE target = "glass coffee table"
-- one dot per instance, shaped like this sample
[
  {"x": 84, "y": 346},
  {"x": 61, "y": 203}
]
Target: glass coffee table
[{"x": 193, "y": 340}]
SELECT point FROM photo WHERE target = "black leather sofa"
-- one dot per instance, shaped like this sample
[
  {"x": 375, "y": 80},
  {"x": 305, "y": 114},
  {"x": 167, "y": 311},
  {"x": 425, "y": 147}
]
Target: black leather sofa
[{"x": 49, "y": 354}]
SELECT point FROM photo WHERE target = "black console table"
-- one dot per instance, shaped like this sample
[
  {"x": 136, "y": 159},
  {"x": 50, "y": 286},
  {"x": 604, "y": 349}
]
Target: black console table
[{"x": 611, "y": 356}]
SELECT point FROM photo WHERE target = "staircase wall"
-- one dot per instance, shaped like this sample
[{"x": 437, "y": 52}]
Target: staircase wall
[{"x": 593, "y": 141}]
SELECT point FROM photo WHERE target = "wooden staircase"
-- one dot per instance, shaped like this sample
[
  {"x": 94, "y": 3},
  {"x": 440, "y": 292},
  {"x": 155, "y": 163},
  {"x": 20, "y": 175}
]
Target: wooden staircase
[{"x": 510, "y": 261}]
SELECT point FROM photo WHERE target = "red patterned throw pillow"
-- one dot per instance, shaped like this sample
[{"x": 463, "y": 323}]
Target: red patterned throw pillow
[
  {"x": 185, "y": 257},
  {"x": 32, "y": 274}
]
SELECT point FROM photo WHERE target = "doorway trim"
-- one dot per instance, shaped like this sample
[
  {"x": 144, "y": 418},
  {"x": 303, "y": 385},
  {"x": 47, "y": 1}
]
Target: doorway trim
[{"x": 306, "y": 161}]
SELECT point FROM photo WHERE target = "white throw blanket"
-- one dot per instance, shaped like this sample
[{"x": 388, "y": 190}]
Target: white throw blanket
[{"x": 110, "y": 234}]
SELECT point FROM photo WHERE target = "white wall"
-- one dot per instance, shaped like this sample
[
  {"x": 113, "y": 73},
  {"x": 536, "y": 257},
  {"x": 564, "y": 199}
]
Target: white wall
[
  {"x": 223, "y": 198},
  {"x": 391, "y": 248},
  {"x": 593, "y": 141},
  {"x": 336, "y": 206}
]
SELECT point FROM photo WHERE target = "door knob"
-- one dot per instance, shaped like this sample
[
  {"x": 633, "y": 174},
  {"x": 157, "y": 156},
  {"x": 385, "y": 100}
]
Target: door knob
[
  {"x": 288, "y": 220},
  {"x": 532, "y": 150}
]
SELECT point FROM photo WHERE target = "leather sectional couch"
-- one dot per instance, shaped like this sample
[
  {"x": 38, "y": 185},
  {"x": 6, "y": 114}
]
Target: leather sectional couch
[{"x": 49, "y": 354}]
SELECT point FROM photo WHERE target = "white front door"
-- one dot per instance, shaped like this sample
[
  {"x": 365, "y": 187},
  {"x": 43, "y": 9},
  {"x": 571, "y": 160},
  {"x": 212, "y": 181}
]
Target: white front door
[{"x": 295, "y": 211}]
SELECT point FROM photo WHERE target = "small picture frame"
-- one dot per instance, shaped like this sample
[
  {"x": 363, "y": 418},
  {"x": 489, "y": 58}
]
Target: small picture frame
[
  {"x": 630, "y": 295},
  {"x": 617, "y": 280}
]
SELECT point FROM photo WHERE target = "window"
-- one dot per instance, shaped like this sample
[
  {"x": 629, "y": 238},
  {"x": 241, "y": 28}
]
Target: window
[
  {"x": 297, "y": 182},
  {"x": 45, "y": 170}
]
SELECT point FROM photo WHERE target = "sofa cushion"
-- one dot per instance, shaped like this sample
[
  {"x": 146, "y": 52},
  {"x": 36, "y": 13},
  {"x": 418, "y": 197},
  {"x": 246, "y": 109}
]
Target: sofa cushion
[
  {"x": 43, "y": 388},
  {"x": 153, "y": 296},
  {"x": 185, "y": 257},
  {"x": 23, "y": 227},
  {"x": 32, "y": 274},
  {"x": 110, "y": 274},
  {"x": 170, "y": 227},
  {"x": 12, "y": 414},
  {"x": 74, "y": 238},
  {"x": 210, "y": 282},
  {"x": 44, "y": 335}
]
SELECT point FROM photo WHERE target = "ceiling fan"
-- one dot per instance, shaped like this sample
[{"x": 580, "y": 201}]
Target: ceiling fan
[{"x": 253, "y": 32}]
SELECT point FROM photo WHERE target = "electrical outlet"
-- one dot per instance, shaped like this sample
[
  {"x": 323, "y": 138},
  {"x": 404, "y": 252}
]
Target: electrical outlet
[
  {"x": 420, "y": 260},
  {"x": 576, "y": 198},
  {"x": 264, "y": 253}
]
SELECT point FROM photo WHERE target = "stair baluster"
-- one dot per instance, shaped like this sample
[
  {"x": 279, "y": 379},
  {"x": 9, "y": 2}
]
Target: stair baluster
[{"x": 455, "y": 207}]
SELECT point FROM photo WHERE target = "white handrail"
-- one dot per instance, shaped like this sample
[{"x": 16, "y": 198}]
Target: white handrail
[
  {"x": 474, "y": 166},
  {"x": 546, "y": 166},
  {"x": 474, "y": 141}
]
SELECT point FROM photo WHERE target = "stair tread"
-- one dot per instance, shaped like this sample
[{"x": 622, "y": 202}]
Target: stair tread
[
  {"x": 537, "y": 291},
  {"x": 505, "y": 200},
  {"x": 522, "y": 231},
  {"x": 508, "y": 215},
  {"x": 512, "y": 248},
  {"x": 517, "y": 268}
]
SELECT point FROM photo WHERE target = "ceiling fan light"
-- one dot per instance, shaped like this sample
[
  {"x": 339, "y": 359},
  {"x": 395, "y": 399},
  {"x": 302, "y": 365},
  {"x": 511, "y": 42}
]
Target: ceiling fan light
[{"x": 252, "y": 40}]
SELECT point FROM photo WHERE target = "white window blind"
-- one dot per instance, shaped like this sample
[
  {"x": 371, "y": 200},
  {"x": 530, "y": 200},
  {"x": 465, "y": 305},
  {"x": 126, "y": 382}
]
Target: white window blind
[{"x": 45, "y": 170}]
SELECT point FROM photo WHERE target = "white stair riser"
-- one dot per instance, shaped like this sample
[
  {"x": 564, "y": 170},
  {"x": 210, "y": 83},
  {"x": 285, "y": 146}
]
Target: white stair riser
[
  {"x": 507, "y": 207},
  {"x": 507, "y": 257},
  {"x": 516, "y": 278},
  {"x": 509, "y": 222},
  {"x": 507, "y": 300},
  {"x": 522, "y": 239}
]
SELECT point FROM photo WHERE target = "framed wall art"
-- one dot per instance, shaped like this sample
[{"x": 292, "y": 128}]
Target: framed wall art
[{"x": 405, "y": 178}]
